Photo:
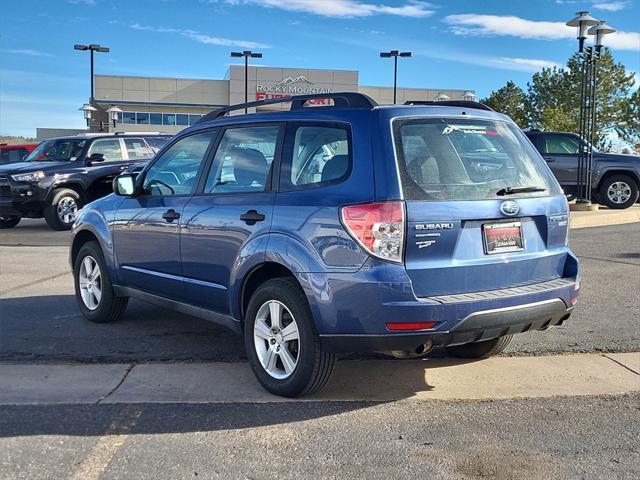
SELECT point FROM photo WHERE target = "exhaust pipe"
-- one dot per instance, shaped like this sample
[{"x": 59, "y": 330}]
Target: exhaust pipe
[{"x": 420, "y": 351}]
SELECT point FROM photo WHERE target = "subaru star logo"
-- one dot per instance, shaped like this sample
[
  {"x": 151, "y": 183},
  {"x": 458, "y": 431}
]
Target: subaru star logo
[{"x": 509, "y": 208}]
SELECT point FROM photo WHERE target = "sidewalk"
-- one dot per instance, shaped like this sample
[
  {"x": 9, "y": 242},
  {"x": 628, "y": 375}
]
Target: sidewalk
[
  {"x": 604, "y": 217},
  {"x": 365, "y": 380}
]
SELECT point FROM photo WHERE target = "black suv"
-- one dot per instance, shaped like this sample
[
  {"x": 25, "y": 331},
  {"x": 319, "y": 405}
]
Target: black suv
[
  {"x": 63, "y": 174},
  {"x": 616, "y": 177}
]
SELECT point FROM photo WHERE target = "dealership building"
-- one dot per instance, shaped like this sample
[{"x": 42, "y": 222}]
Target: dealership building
[{"x": 170, "y": 104}]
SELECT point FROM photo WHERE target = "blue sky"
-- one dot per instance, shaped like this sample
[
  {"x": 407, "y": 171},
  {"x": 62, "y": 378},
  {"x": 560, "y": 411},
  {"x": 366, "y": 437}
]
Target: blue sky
[{"x": 457, "y": 43}]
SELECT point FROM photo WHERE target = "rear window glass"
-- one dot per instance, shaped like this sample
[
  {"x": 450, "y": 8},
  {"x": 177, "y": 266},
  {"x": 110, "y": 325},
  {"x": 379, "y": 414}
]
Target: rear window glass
[{"x": 459, "y": 159}]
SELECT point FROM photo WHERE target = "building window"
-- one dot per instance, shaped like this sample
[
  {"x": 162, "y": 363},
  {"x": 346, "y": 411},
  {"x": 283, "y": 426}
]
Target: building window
[
  {"x": 168, "y": 118},
  {"x": 142, "y": 118},
  {"x": 155, "y": 118},
  {"x": 182, "y": 119},
  {"x": 193, "y": 119},
  {"x": 128, "y": 117}
]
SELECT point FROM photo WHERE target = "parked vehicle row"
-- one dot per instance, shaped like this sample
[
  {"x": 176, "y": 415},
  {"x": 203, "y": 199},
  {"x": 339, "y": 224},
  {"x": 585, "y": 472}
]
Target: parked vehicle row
[
  {"x": 15, "y": 152},
  {"x": 61, "y": 175},
  {"x": 329, "y": 229}
]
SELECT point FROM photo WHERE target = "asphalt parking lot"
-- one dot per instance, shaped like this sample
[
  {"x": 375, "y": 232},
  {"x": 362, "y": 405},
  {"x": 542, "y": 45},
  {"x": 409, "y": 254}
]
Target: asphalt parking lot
[
  {"x": 391, "y": 433},
  {"x": 36, "y": 279}
]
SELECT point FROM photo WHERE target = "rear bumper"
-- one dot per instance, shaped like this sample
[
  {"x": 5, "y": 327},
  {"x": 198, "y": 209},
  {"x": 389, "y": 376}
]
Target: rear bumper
[{"x": 476, "y": 327}]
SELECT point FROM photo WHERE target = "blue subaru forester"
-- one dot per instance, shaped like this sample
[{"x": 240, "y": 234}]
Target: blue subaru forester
[{"x": 348, "y": 227}]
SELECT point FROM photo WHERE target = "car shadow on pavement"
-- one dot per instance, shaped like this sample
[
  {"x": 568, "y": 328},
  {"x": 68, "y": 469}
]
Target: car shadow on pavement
[{"x": 147, "y": 334}]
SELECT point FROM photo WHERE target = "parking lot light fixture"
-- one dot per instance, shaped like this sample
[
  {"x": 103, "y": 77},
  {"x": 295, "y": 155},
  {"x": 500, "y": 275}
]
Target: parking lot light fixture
[
  {"x": 247, "y": 54},
  {"x": 88, "y": 112},
  {"x": 395, "y": 54},
  {"x": 582, "y": 21},
  {"x": 114, "y": 113},
  {"x": 94, "y": 47},
  {"x": 600, "y": 30}
]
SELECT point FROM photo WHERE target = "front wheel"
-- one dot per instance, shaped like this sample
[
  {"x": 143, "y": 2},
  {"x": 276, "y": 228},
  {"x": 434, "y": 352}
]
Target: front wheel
[
  {"x": 9, "y": 222},
  {"x": 282, "y": 343},
  {"x": 94, "y": 292},
  {"x": 63, "y": 209},
  {"x": 480, "y": 350},
  {"x": 618, "y": 192}
]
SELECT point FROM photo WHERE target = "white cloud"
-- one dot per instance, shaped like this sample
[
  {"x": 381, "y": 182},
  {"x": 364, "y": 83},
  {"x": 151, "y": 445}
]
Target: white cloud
[
  {"x": 201, "y": 37},
  {"x": 475, "y": 24},
  {"x": 25, "y": 51},
  {"x": 341, "y": 8},
  {"x": 610, "y": 6},
  {"x": 90, "y": 3},
  {"x": 528, "y": 64}
]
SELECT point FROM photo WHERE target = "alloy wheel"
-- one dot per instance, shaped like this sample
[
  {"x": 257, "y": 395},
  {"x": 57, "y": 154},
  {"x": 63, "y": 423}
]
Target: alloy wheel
[
  {"x": 619, "y": 192},
  {"x": 277, "y": 339},
  {"x": 67, "y": 210},
  {"x": 90, "y": 280}
]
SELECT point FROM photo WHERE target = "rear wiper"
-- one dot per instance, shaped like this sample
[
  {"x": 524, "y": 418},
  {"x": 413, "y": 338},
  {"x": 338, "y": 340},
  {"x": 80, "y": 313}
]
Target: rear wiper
[{"x": 511, "y": 191}]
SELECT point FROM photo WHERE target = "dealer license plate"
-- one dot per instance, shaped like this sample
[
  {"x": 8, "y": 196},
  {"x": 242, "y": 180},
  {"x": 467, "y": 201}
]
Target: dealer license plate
[{"x": 502, "y": 237}]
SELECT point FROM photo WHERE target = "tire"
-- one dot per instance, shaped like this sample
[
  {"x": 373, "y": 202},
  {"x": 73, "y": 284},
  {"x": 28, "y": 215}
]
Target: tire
[
  {"x": 311, "y": 366},
  {"x": 63, "y": 209},
  {"x": 107, "y": 307},
  {"x": 618, "y": 191},
  {"x": 480, "y": 350},
  {"x": 9, "y": 222}
]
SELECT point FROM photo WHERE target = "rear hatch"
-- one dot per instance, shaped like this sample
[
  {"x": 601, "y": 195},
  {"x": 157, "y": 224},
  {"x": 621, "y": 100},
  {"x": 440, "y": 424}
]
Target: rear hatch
[{"x": 483, "y": 210}]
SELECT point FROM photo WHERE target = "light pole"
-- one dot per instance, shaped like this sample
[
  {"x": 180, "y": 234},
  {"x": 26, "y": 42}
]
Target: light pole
[
  {"x": 246, "y": 54},
  {"x": 395, "y": 54},
  {"x": 588, "y": 101},
  {"x": 91, "y": 48}
]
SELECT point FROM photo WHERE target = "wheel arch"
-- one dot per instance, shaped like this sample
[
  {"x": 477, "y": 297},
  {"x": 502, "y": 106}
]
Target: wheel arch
[
  {"x": 76, "y": 186},
  {"x": 256, "y": 277},
  {"x": 617, "y": 171},
  {"x": 81, "y": 238}
]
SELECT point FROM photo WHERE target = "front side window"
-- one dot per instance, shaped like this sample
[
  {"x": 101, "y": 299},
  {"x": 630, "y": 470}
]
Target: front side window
[
  {"x": 57, "y": 150},
  {"x": 137, "y": 149},
  {"x": 109, "y": 147},
  {"x": 176, "y": 171},
  {"x": 561, "y": 144},
  {"x": 455, "y": 159},
  {"x": 243, "y": 160},
  {"x": 316, "y": 154}
]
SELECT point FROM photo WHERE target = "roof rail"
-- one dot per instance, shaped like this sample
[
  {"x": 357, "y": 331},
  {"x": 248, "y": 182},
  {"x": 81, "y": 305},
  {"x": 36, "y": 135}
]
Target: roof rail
[
  {"x": 340, "y": 100},
  {"x": 451, "y": 103}
]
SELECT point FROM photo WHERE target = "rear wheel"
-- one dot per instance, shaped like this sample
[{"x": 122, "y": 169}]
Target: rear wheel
[
  {"x": 479, "y": 350},
  {"x": 94, "y": 292},
  {"x": 282, "y": 343},
  {"x": 618, "y": 191},
  {"x": 9, "y": 222},
  {"x": 63, "y": 209}
]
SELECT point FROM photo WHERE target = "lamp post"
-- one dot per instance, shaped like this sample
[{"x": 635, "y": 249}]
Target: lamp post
[
  {"x": 587, "y": 25},
  {"x": 88, "y": 110},
  {"x": 441, "y": 97},
  {"x": 395, "y": 54},
  {"x": 113, "y": 112},
  {"x": 246, "y": 54},
  {"x": 91, "y": 48}
]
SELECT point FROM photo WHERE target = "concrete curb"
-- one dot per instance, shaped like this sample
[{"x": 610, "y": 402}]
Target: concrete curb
[
  {"x": 605, "y": 217},
  {"x": 367, "y": 380}
]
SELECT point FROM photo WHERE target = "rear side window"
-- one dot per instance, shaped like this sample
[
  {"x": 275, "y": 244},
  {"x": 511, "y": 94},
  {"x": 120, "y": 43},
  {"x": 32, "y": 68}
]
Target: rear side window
[
  {"x": 109, "y": 147},
  {"x": 561, "y": 144},
  {"x": 459, "y": 159},
  {"x": 243, "y": 160},
  {"x": 137, "y": 149},
  {"x": 315, "y": 155}
]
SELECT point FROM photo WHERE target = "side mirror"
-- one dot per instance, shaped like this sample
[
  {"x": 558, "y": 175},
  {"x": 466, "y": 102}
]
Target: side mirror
[
  {"x": 95, "y": 157},
  {"x": 125, "y": 185}
]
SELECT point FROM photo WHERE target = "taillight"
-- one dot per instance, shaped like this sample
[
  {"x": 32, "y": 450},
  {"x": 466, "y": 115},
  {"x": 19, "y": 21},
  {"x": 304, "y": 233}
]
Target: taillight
[{"x": 377, "y": 227}]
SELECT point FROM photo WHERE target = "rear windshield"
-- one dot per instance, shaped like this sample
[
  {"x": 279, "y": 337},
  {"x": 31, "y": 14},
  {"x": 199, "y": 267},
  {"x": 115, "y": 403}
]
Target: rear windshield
[{"x": 459, "y": 159}]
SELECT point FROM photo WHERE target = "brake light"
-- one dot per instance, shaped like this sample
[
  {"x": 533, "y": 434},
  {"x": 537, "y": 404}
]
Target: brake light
[{"x": 378, "y": 227}]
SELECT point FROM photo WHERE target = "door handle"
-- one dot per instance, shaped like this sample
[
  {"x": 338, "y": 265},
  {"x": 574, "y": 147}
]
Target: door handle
[
  {"x": 170, "y": 215},
  {"x": 549, "y": 159},
  {"x": 251, "y": 217}
]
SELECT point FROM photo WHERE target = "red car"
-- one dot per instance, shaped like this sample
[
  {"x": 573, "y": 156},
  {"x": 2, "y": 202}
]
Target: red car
[{"x": 15, "y": 153}]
